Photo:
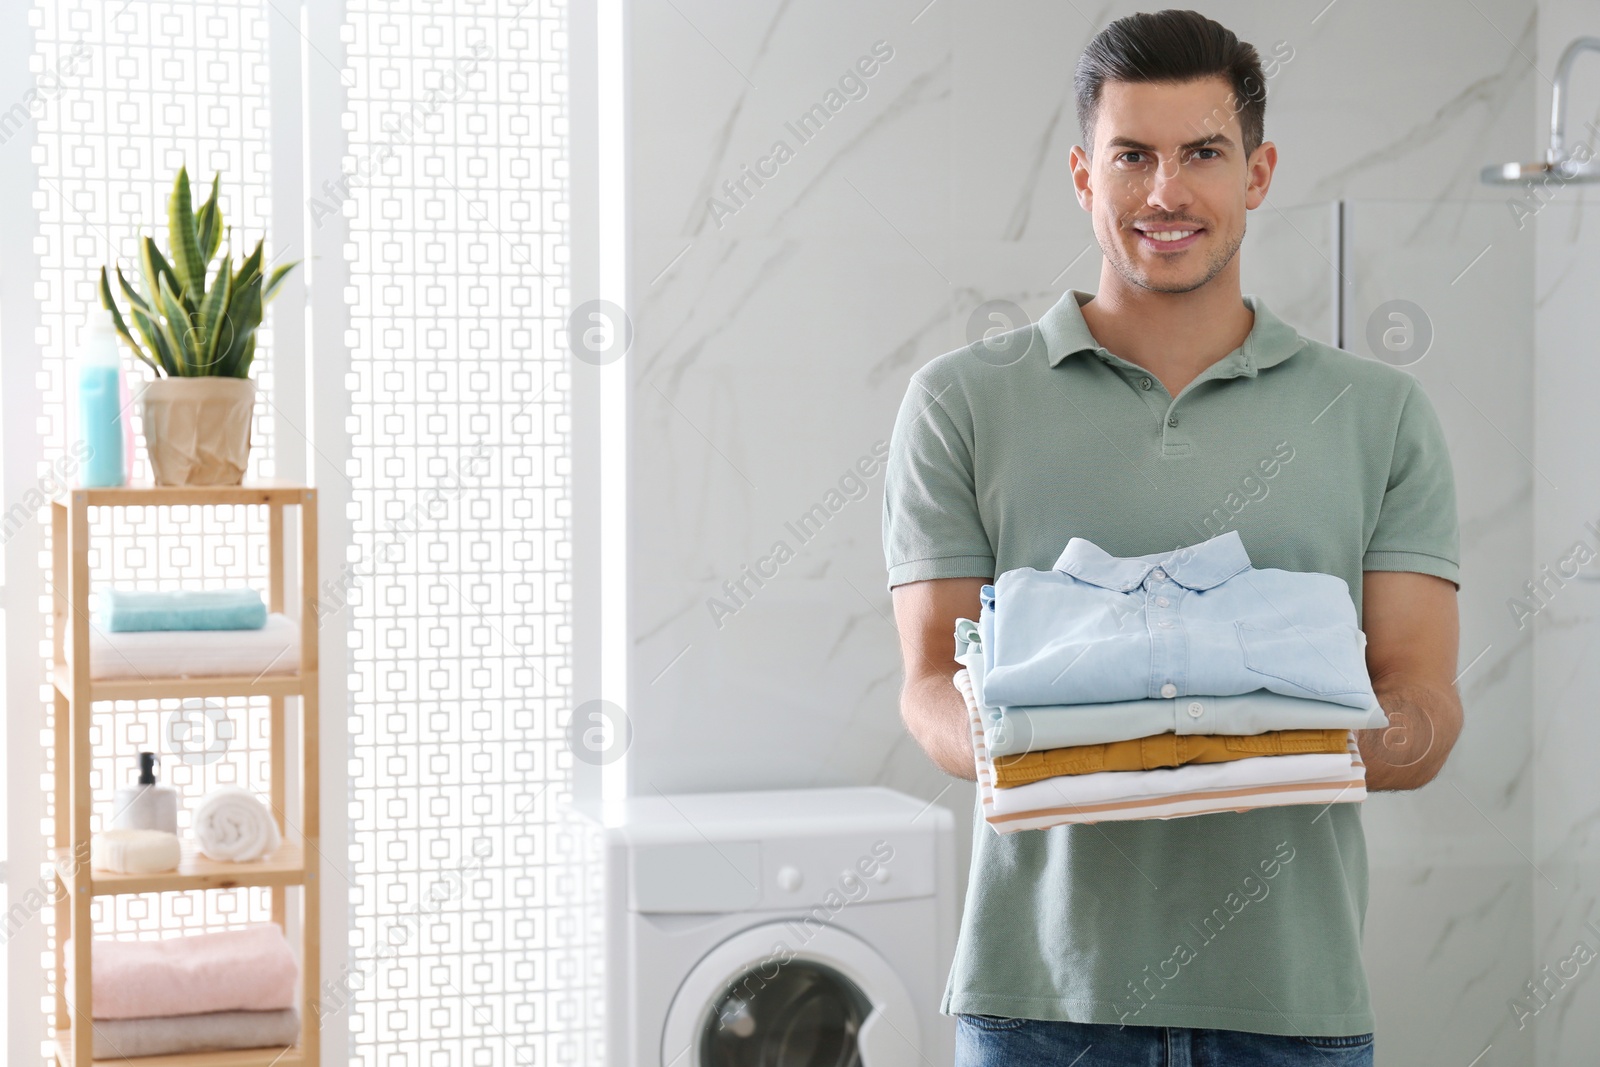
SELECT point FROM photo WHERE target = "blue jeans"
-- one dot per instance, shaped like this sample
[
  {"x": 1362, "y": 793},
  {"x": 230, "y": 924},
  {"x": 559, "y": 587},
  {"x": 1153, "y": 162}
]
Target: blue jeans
[{"x": 990, "y": 1041}]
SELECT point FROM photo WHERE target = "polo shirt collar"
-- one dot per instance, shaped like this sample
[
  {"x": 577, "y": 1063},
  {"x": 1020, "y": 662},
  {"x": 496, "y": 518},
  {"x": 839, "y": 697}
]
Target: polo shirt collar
[
  {"x": 1271, "y": 340},
  {"x": 1202, "y": 566}
]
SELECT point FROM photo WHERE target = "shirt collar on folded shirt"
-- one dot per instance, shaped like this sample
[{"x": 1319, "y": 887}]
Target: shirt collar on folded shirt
[
  {"x": 1201, "y": 566},
  {"x": 1270, "y": 341}
]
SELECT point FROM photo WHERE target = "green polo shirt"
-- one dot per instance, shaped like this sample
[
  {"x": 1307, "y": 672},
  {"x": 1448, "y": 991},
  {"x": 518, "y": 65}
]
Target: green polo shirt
[{"x": 1323, "y": 461}]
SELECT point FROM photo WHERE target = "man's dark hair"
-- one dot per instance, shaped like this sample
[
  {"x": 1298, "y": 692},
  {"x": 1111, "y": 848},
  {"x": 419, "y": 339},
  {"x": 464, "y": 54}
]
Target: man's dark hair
[{"x": 1172, "y": 46}]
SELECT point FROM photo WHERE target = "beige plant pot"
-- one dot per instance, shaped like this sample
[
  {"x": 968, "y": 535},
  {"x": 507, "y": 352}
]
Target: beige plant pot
[{"x": 197, "y": 430}]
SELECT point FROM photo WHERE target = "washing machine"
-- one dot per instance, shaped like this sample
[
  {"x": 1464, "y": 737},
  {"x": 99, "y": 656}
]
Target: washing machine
[{"x": 785, "y": 928}]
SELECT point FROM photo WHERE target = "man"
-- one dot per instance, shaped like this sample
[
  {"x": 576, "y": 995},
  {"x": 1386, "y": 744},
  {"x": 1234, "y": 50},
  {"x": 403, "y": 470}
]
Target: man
[{"x": 1160, "y": 412}]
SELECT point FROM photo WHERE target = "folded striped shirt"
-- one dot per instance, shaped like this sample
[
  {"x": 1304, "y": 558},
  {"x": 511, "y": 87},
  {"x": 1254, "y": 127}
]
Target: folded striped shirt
[{"x": 1167, "y": 793}]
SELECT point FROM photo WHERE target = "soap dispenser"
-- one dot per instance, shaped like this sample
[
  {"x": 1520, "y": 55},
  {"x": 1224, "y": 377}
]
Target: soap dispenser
[{"x": 145, "y": 806}]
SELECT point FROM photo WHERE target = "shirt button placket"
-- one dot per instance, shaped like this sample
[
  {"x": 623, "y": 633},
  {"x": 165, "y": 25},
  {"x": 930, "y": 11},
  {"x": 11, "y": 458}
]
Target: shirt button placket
[
  {"x": 1167, "y": 639},
  {"x": 1161, "y": 617}
]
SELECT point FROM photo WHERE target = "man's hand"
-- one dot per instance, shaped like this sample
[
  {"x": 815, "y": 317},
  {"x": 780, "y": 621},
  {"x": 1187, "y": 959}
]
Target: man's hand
[
  {"x": 930, "y": 705},
  {"x": 1413, "y": 629}
]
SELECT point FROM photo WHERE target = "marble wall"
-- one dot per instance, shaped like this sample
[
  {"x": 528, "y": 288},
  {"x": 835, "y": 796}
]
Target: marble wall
[
  {"x": 779, "y": 316},
  {"x": 1564, "y": 875}
]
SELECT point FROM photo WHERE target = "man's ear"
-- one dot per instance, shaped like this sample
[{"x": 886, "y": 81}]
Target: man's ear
[
  {"x": 1081, "y": 172},
  {"x": 1263, "y": 161}
]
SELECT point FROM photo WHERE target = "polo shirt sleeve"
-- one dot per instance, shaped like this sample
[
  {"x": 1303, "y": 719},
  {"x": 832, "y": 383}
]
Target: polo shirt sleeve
[
  {"x": 931, "y": 525},
  {"x": 1417, "y": 527}
]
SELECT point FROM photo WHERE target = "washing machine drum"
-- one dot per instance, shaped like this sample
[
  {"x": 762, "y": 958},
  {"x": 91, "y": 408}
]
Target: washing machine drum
[
  {"x": 762, "y": 999},
  {"x": 808, "y": 1015}
]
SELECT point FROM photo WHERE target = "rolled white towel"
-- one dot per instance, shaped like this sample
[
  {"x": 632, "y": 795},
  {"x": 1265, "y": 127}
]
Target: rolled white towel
[
  {"x": 233, "y": 824},
  {"x": 134, "y": 851}
]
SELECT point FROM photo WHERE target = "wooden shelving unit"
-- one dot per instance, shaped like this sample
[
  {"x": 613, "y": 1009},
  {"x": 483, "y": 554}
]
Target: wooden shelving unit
[{"x": 293, "y": 864}]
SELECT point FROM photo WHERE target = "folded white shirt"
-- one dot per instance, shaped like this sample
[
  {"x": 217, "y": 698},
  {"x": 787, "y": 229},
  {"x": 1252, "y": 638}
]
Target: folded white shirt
[{"x": 1109, "y": 787}]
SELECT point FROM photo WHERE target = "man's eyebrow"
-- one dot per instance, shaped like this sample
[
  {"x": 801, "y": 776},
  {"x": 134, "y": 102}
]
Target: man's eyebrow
[{"x": 1215, "y": 139}]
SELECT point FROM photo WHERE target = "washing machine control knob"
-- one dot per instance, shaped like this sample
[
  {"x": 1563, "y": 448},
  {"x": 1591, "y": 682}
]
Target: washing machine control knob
[{"x": 789, "y": 878}]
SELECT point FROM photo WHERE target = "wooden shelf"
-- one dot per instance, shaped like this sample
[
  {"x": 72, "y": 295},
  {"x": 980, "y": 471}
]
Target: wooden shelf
[
  {"x": 290, "y": 865},
  {"x": 285, "y": 865},
  {"x": 222, "y": 685},
  {"x": 276, "y": 1056},
  {"x": 130, "y": 496}
]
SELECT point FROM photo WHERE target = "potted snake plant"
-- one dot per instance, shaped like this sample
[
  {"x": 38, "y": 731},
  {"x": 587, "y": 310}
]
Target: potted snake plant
[{"x": 195, "y": 328}]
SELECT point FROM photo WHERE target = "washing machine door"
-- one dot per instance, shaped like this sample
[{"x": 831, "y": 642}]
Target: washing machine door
[{"x": 783, "y": 995}]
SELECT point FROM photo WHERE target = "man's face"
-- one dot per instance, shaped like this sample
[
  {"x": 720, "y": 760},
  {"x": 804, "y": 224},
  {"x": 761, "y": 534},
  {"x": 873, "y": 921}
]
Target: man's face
[{"x": 1169, "y": 162}]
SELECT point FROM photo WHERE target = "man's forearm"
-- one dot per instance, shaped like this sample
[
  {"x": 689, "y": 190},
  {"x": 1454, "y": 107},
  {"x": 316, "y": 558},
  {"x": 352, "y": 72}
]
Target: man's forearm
[
  {"x": 937, "y": 718},
  {"x": 1424, "y": 723}
]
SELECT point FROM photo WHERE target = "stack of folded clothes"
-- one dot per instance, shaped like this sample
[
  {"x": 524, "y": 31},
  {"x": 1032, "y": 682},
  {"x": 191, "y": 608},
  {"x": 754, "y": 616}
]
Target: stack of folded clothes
[
  {"x": 1151, "y": 687},
  {"x": 226, "y": 990}
]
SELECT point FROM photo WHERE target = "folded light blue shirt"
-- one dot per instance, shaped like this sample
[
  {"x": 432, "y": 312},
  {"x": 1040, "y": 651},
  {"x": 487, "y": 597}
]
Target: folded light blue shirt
[
  {"x": 1198, "y": 620},
  {"x": 1012, "y": 730}
]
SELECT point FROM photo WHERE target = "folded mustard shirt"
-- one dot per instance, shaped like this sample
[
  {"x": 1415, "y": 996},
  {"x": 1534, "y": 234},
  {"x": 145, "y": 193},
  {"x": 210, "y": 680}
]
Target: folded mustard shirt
[{"x": 1160, "y": 750}]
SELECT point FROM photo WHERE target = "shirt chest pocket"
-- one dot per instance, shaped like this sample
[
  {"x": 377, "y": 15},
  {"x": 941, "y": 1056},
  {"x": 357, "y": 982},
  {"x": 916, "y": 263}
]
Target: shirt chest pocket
[{"x": 1323, "y": 661}]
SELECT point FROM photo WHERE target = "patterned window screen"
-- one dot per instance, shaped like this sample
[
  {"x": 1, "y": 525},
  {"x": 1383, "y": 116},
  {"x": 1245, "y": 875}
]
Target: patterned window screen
[
  {"x": 474, "y": 892},
  {"x": 136, "y": 90},
  {"x": 474, "y": 930}
]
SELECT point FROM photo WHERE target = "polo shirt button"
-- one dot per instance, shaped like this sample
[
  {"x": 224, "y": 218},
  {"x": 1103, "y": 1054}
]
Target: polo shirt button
[
  {"x": 1145, "y": 383},
  {"x": 1164, "y": 623},
  {"x": 1196, "y": 709},
  {"x": 1162, "y": 602},
  {"x": 1169, "y": 690},
  {"x": 1159, "y": 575},
  {"x": 1172, "y": 420}
]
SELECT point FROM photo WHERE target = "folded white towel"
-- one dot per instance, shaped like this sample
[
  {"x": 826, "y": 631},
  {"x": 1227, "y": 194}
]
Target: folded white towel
[
  {"x": 134, "y": 851},
  {"x": 233, "y": 824},
  {"x": 272, "y": 651}
]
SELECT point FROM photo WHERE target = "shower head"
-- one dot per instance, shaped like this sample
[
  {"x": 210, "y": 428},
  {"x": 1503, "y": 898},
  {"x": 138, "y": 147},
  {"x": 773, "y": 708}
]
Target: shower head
[
  {"x": 1557, "y": 166},
  {"x": 1565, "y": 171}
]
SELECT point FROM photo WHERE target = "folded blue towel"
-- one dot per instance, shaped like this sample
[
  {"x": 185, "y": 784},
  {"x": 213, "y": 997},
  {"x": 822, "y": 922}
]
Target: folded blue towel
[{"x": 123, "y": 610}]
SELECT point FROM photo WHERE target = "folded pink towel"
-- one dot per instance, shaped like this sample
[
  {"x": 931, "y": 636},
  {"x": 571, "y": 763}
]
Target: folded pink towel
[{"x": 252, "y": 969}]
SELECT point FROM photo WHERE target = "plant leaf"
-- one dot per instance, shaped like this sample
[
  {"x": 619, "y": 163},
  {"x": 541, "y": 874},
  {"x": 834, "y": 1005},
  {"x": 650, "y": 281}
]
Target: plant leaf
[
  {"x": 247, "y": 358},
  {"x": 157, "y": 341},
  {"x": 213, "y": 320},
  {"x": 185, "y": 242},
  {"x": 109, "y": 302},
  {"x": 209, "y": 221},
  {"x": 155, "y": 268},
  {"x": 179, "y": 330},
  {"x": 277, "y": 277},
  {"x": 250, "y": 269},
  {"x": 133, "y": 294},
  {"x": 244, "y": 315}
]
